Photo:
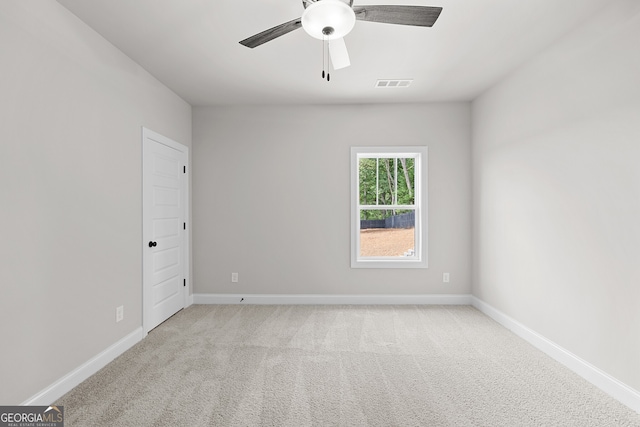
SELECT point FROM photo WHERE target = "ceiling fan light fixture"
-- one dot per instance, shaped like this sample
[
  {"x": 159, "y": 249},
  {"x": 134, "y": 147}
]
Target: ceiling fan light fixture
[{"x": 328, "y": 19}]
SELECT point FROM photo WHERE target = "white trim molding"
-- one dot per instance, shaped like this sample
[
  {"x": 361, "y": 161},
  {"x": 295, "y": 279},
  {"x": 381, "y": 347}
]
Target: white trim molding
[
  {"x": 610, "y": 385},
  {"x": 314, "y": 299},
  {"x": 84, "y": 371},
  {"x": 416, "y": 257}
]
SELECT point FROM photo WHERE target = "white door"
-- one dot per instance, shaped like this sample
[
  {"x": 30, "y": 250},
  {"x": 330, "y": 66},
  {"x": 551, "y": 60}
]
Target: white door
[{"x": 164, "y": 214}]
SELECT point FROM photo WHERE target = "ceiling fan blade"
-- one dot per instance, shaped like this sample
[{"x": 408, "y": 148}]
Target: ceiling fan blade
[
  {"x": 339, "y": 54},
  {"x": 272, "y": 33},
  {"x": 422, "y": 16}
]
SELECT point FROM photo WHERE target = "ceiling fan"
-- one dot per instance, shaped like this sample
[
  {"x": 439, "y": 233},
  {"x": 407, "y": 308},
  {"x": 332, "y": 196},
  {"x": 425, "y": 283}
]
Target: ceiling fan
[{"x": 331, "y": 20}]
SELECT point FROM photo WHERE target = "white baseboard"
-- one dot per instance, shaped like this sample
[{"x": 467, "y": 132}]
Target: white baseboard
[
  {"x": 595, "y": 376},
  {"x": 313, "y": 299},
  {"x": 75, "y": 377}
]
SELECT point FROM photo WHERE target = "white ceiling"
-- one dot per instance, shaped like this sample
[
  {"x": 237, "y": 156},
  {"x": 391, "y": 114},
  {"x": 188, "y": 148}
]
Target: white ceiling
[{"x": 192, "y": 47}]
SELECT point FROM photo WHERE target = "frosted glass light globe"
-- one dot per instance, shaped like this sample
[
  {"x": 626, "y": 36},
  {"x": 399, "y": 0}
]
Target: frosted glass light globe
[{"x": 328, "y": 19}]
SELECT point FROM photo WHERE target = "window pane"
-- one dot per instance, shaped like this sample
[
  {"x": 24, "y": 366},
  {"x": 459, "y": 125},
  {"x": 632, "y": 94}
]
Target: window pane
[
  {"x": 406, "y": 184},
  {"x": 386, "y": 181},
  {"x": 367, "y": 178},
  {"x": 385, "y": 233}
]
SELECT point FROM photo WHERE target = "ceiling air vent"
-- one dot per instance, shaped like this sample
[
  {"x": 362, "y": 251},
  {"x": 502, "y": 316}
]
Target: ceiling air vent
[{"x": 387, "y": 84}]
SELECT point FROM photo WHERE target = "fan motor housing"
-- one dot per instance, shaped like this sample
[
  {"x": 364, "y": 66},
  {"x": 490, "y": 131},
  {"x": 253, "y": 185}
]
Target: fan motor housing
[{"x": 306, "y": 3}]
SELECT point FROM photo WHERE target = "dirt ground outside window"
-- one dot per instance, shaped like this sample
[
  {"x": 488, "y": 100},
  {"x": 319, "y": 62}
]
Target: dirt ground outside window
[{"x": 386, "y": 241}]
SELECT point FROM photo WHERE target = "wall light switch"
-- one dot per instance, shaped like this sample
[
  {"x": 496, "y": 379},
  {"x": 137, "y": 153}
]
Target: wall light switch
[
  {"x": 119, "y": 313},
  {"x": 445, "y": 277},
  {"x": 234, "y": 277}
]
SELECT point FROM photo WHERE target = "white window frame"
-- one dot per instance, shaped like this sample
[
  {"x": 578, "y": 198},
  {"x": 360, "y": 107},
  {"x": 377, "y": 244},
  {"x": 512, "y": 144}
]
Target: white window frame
[{"x": 420, "y": 259}]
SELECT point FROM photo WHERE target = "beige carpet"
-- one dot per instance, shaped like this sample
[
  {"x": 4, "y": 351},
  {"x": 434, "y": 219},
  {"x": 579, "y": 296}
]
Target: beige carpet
[{"x": 337, "y": 366}]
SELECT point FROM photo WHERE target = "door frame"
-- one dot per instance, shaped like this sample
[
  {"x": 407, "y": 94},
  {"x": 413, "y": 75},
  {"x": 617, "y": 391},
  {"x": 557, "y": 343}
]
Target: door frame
[{"x": 160, "y": 139}]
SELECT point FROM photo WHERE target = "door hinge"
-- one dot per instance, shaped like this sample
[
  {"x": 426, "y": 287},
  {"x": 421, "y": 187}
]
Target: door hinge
[
  {"x": 184, "y": 225},
  {"x": 184, "y": 169},
  {"x": 184, "y": 283}
]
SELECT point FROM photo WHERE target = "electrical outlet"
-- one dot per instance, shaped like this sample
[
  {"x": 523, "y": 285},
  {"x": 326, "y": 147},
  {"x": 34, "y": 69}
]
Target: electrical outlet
[
  {"x": 119, "y": 313},
  {"x": 445, "y": 277},
  {"x": 234, "y": 277}
]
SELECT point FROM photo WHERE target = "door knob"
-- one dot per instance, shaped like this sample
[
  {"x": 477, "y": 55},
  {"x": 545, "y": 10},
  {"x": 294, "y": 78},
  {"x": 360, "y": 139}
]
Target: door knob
[{"x": 153, "y": 244}]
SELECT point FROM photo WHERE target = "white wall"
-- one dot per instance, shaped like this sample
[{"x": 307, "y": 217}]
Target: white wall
[
  {"x": 71, "y": 107},
  {"x": 271, "y": 197},
  {"x": 556, "y": 193}
]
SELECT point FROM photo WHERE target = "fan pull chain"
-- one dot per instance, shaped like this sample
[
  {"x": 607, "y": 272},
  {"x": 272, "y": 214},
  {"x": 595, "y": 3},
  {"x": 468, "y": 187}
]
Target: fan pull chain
[
  {"x": 325, "y": 64},
  {"x": 328, "y": 63},
  {"x": 323, "y": 58}
]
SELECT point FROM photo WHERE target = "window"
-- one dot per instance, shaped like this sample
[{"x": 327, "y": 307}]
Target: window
[{"x": 389, "y": 207}]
